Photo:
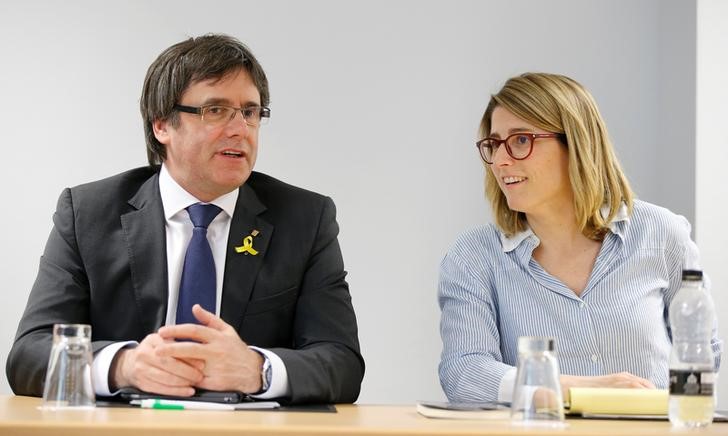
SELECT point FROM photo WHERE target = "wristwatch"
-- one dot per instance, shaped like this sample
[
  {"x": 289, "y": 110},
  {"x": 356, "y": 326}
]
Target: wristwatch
[{"x": 265, "y": 374}]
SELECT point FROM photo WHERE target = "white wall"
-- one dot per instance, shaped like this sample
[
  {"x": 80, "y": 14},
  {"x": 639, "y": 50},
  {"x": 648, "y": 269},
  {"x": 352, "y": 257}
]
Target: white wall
[
  {"x": 375, "y": 103},
  {"x": 674, "y": 160},
  {"x": 711, "y": 160}
]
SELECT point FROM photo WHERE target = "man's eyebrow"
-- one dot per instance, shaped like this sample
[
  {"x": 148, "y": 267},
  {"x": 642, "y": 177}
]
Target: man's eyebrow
[
  {"x": 216, "y": 100},
  {"x": 225, "y": 102}
]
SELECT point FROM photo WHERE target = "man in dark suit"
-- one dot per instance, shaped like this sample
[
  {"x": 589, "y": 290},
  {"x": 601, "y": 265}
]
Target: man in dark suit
[{"x": 278, "y": 321}]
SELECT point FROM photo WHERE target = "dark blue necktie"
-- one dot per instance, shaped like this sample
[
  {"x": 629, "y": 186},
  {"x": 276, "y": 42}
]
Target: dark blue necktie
[{"x": 198, "y": 274}]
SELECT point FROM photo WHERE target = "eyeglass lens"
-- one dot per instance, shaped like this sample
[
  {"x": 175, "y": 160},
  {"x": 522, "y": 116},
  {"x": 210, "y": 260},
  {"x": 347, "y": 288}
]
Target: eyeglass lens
[
  {"x": 518, "y": 147},
  {"x": 221, "y": 114}
]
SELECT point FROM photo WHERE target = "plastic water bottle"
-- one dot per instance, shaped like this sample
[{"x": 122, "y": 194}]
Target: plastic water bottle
[{"x": 691, "y": 361}]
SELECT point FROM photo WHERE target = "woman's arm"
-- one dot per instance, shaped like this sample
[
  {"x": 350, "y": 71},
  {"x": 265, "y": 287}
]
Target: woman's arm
[{"x": 471, "y": 367}]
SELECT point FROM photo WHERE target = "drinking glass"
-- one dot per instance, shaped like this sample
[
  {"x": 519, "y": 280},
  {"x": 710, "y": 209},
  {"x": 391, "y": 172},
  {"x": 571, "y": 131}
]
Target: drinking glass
[
  {"x": 537, "y": 396},
  {"x": 68, "y": 378}
]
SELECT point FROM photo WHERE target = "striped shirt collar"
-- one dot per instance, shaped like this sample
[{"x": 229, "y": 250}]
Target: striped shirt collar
[{"x": 616, "y": 226}]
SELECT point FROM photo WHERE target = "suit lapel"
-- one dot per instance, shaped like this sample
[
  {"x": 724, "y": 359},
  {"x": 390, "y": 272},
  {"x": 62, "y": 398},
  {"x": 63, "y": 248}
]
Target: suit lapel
[
  {"x": 241, "y": 268},
  {"x": 146, "y": 243}
]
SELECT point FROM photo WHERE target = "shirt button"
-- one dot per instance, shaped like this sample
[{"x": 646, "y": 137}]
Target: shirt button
[
  {"x": 594, "y": 358},
  {"x": 582, "y": 304}
]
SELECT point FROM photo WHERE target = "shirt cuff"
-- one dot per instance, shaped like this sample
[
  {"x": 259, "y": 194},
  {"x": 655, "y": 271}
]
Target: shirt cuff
[
  {"x": 102, "y": 364},
  {"x": 505, "y": 390},
  {"x": 279, "y": 377}
]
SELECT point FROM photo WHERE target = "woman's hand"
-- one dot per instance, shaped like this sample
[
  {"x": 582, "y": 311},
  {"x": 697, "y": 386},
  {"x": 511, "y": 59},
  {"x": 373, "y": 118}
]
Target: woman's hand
[{"x": 618, "y": 380}]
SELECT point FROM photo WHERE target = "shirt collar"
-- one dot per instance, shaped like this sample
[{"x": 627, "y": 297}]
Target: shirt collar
[
  {"x": 619, "y": 221},
  {"x": 175, "y": 198},
  {"x": 510, "y": 243},
  {"x": 616, "y": 226}
]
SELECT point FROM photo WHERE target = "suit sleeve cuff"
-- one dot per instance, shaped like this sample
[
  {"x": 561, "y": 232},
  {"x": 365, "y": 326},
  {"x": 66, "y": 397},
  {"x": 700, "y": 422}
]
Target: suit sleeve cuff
[
  {"x": 102, "y": 364},
  {"x": 279, "y": 377}
]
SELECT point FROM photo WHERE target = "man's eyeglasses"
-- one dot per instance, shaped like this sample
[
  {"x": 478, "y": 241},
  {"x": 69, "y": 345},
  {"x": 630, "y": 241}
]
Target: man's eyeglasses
[
  {"x": 518, "y": 145},
  {"x": 216, "y": 114}
]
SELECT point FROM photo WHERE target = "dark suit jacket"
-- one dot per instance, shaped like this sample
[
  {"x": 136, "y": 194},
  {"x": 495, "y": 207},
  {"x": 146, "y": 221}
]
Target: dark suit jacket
[{"x": 105, "y": 264}]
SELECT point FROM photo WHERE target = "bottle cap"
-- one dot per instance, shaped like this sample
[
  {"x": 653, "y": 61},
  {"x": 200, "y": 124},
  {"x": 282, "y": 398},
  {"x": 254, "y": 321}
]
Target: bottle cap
[
  {"x": 528, "y": 344},
  {"x": 692, "y": 274}
]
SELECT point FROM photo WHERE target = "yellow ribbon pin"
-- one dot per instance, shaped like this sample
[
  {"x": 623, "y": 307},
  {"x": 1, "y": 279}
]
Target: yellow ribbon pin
[{"x": 247, "y": 246}]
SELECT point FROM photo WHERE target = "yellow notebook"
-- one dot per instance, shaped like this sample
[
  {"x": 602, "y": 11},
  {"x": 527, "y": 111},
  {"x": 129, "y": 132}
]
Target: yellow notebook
[{"x": 612, "y": 401}]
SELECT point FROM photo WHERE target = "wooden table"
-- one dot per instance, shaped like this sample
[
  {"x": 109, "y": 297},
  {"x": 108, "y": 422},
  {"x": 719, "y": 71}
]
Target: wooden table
[{"x": 21, "y": 416}]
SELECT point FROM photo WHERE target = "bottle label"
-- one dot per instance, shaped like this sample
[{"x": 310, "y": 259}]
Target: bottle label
[{"x": 693, "y": 383}]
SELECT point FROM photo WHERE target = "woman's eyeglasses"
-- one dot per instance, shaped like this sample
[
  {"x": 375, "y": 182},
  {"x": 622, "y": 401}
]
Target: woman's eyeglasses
[{"x": 518, "y": 145}]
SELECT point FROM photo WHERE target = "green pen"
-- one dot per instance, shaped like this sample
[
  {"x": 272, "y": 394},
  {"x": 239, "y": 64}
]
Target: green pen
[{"x": 160, "y": 404}]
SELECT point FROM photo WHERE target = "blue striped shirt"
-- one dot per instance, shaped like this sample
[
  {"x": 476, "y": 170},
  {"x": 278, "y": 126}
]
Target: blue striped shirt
[{"x": 492, "y": 291}]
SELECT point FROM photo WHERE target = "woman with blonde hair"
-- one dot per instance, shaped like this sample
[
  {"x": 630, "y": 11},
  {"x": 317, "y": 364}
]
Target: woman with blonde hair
[{"x": 571, "y": 254}]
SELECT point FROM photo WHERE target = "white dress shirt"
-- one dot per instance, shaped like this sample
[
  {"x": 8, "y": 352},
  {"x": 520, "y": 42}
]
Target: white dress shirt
[{"x": 178, "y": 229}]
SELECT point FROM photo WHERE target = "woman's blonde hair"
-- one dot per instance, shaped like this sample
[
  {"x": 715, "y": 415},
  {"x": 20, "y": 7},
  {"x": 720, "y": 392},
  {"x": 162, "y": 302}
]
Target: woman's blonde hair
[{"x": 559, "y": 104}]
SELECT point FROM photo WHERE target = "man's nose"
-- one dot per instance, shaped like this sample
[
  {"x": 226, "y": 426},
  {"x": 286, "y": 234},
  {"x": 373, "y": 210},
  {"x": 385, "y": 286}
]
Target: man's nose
[{"x": 238, "y": 123}]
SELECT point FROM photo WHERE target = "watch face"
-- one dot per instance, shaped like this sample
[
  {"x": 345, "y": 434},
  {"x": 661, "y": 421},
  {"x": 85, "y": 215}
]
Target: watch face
[{"x": 266, "y": 374}]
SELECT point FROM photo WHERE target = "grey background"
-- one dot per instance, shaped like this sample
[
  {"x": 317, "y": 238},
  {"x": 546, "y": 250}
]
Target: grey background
[{"x": 375, "y": 103}]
